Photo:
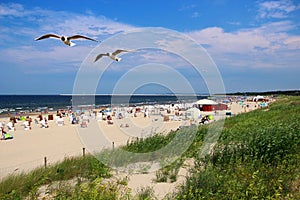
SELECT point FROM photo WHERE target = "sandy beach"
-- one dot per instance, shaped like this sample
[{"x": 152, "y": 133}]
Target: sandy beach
[{"x": 28, "y": 148}]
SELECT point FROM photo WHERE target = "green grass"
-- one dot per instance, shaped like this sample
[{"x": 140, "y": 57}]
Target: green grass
[
  {"x": 150, "y": 144},
  {"x": 20, "y": 186},
  {"x": 159, "y": 148}
]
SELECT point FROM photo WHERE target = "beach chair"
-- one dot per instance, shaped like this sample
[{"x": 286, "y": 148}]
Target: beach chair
[
  {"x": 85, "y": 118},
  {"x": 10, "y": 126},
  {"x": 43, "y": 124},
  {"x": 60, "y": 121},
  {"x": 99, "y": 116},
  {"x": 83, "y": 124},
  {"x": 26, "y": 126}
]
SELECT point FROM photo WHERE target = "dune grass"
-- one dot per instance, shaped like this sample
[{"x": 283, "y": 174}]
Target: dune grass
[{"x": 21, "y": 185}]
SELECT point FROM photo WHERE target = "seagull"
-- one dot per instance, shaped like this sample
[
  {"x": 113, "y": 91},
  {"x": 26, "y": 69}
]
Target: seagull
[
  {"x": 111, "y": 55},
  {"x": 66, "y": 40}
]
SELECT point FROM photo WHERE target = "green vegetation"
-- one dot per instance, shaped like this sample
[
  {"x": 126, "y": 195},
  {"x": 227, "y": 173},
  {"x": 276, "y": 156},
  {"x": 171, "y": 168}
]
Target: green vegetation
[
  {"x": 164, "y": 149},
  {"x": 278, "y": 92},
  {"x": 149, "y": 144},
  {"x": 257, "y": 156},
  {"x": 145, "y": 193},
  {"x": 82, "y": 168}
]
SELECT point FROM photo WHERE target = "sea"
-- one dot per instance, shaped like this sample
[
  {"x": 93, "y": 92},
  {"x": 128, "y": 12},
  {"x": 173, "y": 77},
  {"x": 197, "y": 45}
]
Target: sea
[{"x": 40, "y": 103}]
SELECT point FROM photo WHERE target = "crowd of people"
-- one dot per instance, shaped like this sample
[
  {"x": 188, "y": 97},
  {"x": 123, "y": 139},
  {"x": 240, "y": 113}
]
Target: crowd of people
[
  {"x": 42, "y": 121},
  {"x": 82, "y": 117}
]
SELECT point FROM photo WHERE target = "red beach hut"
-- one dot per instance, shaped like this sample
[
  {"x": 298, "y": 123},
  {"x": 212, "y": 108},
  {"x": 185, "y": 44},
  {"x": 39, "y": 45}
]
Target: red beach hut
[{"x": 206, "y": 105}]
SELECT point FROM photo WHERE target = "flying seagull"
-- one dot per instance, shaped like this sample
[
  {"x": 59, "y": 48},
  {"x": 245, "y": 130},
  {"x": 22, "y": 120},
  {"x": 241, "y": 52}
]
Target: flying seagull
[
  {"x": 111, "y": 55},
  {"x": 65, "y": 39}
]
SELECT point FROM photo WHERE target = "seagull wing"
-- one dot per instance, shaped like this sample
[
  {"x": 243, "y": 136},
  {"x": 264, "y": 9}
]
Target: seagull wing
[
  {"x": 99, "y": 56},
  {"x": 119, "y": 51},
  {"x": 74, "y": 37},
  {"x": 48, "y": 36}
]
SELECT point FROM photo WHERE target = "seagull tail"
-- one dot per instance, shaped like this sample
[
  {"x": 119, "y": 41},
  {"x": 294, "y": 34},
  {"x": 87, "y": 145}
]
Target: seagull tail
[
  {"x": 72, "y": 44},
  {"x": 118, "y": 59}
]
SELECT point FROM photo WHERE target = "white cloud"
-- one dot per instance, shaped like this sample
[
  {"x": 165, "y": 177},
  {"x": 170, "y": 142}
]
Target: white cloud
[
  {"x": 58, "y": 59},
  {"x": 292, "y": 42},
  {"x": 239, "y": 42},
  {"x": 276, "y": 9},
  {"x": 266, "y": 46},
  {"x": 12, "y": 9},
  {"x": 91, "y": 25},
  {"x": 62, "y": 22}
]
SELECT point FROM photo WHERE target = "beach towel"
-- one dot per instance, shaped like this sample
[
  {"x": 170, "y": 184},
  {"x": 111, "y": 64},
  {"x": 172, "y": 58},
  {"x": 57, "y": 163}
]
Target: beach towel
[
  {"x": 210, "y": 117},
  {"x": 22, "y": 118},
  {"x": 7, "y": 136}
]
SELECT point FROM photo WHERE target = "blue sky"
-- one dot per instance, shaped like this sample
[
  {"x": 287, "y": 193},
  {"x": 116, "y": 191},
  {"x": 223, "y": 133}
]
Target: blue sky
[{"x": 254, "y": 44}]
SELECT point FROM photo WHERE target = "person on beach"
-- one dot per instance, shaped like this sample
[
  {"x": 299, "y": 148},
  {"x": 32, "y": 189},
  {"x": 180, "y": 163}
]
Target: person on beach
[
  {"x": 204, "y": 119},
  {"x": 44, "y": 123},
  {"x": 5, "y": 135},
  {"x": 2, "y": 133},
  {"x": 10, "y": 126},
  {"x": 40, "y": 117},
  {"x": 74, "y": 120},
  {"x": 29, "y": 120}
]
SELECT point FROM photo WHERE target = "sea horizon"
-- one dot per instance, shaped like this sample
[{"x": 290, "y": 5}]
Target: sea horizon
[{"x": 36, "y": 103}]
